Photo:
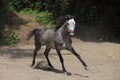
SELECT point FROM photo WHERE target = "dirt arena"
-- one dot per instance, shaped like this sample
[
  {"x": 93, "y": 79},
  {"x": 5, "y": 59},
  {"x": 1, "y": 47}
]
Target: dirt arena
[{"x": 103, "y": 61}]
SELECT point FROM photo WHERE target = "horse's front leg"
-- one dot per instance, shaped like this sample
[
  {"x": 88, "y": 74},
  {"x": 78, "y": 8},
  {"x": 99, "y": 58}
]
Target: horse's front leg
[
  {"x": 71, "y": 49},
  {"x": 61, "y": 58}
]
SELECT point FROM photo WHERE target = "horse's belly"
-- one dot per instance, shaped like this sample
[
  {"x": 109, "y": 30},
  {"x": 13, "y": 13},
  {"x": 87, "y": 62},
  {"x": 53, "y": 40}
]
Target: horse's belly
[{"x": 50, "y": 45}]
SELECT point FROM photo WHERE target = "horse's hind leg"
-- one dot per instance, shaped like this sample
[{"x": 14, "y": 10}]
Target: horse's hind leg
[
  {"x": 37, "y": 47},
  {"x": 47, "y": 50},
  {"x": 78, "y": 56}
]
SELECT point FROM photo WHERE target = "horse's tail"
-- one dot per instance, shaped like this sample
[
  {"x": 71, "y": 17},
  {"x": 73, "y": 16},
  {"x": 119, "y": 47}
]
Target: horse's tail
[{"x": 32, "y": 33}]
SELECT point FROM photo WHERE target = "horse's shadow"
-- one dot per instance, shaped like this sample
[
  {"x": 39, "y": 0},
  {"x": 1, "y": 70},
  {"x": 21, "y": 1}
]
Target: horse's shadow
[
  {"x": 42, "y": 65},
  {"x": 50, "y": 69}
]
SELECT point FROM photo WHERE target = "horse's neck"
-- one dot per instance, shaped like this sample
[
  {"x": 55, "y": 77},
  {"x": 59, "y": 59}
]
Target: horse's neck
[
  {"x": 63, "y": 34},
  {"x": 63, "y": 30},
  {"x": 63, "y": 27}
]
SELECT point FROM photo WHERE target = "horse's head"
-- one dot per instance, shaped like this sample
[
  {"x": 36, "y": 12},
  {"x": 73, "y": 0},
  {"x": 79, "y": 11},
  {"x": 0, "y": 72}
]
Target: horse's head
[
  {"x": 71, "y": 26},
  {"x": 67, "y": 21}
]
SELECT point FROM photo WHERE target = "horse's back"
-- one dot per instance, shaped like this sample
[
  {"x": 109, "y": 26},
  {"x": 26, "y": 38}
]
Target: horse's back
[{"x": 48, "y": 34}]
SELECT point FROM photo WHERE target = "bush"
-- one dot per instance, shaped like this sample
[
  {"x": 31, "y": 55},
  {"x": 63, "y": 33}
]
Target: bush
[
  {"x": 28, "y": 11},
  {"x": 12, "y": 37},
  {"x": 45, "y": 18}
]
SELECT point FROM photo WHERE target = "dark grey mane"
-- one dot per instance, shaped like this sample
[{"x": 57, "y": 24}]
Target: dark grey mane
[{"x": 60, "y": 21}]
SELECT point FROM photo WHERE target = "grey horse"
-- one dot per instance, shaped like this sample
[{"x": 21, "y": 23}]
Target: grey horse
[{"x": 59, "y": 39}]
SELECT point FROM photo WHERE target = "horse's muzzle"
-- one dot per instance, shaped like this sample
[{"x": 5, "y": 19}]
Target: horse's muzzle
[{"x": 72, "y": 33}]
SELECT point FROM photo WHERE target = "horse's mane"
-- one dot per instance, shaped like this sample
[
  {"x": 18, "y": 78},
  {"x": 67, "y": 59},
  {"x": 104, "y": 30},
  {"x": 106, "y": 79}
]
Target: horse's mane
[{"x": 61, "y": 20}]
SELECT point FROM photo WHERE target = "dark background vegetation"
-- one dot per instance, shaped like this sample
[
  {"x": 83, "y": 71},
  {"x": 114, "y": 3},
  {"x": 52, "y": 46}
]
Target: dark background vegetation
[{"x": 97, "y": 20}]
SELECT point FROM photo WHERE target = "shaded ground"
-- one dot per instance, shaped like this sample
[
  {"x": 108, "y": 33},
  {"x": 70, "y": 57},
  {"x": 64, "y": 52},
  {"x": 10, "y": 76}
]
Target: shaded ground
[{"x": 103, "y": 60}]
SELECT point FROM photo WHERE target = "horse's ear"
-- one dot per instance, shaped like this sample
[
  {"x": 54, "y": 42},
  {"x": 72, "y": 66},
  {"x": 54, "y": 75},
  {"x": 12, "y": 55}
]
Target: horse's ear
[{"x": 67, "y": 17}]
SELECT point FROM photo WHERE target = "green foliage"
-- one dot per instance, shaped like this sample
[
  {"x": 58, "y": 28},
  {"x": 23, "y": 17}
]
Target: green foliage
[
  {"x": 12, "y": 37},
  {"x": 28, "y": 11},
  {"x": 21, "y": 4},
  {"x": 44, "y": 18},
  {"x": 52, "y": 24}
]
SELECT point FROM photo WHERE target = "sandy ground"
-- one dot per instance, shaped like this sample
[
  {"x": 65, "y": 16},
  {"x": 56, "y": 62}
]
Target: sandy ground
[{"x": 103, "y": 60}]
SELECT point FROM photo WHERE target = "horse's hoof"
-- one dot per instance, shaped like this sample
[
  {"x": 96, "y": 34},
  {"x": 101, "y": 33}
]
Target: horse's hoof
[
  {"x": 86, "y": 68},
  {"x": 32, "y": 65},
  {"x": 51, "y": 67},
  {"x": 67, "y": 73}
]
